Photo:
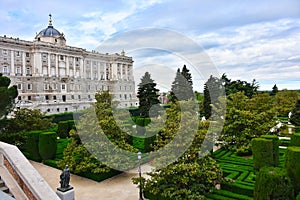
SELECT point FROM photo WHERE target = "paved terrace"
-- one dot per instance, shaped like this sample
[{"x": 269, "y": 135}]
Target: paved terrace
[{"x": 119, "y": 187}]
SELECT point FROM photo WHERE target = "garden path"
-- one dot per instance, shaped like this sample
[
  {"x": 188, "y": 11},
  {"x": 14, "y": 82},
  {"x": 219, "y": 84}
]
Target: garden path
[{"x": 119, "y": 187}]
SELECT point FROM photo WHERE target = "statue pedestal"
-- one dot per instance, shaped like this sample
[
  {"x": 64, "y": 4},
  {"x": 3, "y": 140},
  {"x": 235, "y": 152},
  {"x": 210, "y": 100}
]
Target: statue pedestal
[{"x": 66, "y": 193}]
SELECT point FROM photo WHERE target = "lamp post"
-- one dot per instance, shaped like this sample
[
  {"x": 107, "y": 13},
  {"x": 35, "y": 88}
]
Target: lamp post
[{"x": 140, "y": 174}]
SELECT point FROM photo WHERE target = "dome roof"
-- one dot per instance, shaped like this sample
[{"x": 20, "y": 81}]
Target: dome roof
[
  {"x": 49, "y": 31},
  {"x": 51, "y": 35}
]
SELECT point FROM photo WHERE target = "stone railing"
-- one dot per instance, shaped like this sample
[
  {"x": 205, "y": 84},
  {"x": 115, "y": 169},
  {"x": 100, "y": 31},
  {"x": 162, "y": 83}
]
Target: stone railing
[{"x": 29, "y": 180}]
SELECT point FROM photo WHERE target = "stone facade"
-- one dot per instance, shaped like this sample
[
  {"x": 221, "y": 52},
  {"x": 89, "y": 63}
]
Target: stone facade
[{"x": 54, "y": 77}]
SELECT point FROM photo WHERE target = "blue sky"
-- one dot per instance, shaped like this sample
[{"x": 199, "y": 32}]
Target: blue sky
[{"x": 257, "y": 39}]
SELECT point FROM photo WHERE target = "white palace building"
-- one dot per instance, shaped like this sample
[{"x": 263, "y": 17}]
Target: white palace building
[{"x": 54, "y": 77}]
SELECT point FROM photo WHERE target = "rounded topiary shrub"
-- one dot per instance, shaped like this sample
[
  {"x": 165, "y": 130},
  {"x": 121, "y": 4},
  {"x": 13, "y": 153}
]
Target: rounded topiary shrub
[
  {"x": 31, "y": 145},
  {"x": 275, "y": 141},
  {"x": 295, "y": 140},
  {"x": 292, "y": 164},
  {"x": 273, "y": 183},
  {"x": 47, "y": 145},
  {"x": 262, "y": 150}
]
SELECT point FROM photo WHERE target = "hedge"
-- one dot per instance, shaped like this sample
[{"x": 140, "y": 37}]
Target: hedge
[
  {"x": 100, "y": 177},
  {"x": 262, "y": 150},
  {"x": 273, "y": 183},
  {"x": 275, "y": 141},
  {"x": 298, "y": 196},
  {"x": 238, "y": 188},
  {"x": 292, "y": 165},
  {"x": 47, "y": 145},
  {"x": 295, "y": 140},
  {"x": 31, "y": 147},
  {"x": 224, "y": 194}
]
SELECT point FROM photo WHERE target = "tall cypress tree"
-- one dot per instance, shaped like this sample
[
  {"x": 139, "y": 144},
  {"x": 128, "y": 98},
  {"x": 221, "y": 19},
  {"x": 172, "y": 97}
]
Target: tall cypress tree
[
  {"x": 182, "y": 86},
  {"x": 147, "y": 94}
]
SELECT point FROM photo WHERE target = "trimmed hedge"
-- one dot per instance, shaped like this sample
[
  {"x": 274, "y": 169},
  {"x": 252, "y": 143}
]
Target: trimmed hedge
[
  {"x": 275, "y": 141},
  {"x": 298, "y": 196},
  {"x": 273, "y": 183},
  {"x": 262, "y": 150},
  {"x": 100, "y": 177},
  {"x": 292, "y": 165},
  {"x": 31, "y": 147},
  {"x": 295, "y": 140},
  {"x": 64, "y": 128},
  {"x": 47, "y": 145}
]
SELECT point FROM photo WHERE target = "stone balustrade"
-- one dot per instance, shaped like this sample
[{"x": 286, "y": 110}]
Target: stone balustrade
[{"x": 25, "y": 175}]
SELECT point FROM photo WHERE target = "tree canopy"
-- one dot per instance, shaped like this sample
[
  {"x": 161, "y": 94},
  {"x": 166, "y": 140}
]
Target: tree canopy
[
  {"x": 8, "y": 94},
  {"x": 246, "y": 119},
  {"x": 147, "y": 95}
]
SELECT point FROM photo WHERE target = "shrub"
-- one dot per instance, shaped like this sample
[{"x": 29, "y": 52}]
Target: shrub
[
  {"x": 32, "y": 145},
  {"x": 295, "y": 140},
  {"x": 47, "y": 145},
  {"x": 273, "y": 183},
  {"x": 292, "y": 165},
  {"x": 298, "y": 196},
  {"x": 63, "y": 129},
  {"x": 262, "y": 150},
  {"x": 275, "y": 141}
]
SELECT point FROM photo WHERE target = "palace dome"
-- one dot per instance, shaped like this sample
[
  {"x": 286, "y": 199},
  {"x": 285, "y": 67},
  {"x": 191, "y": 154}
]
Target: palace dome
[{"x": 51, "y": 35}]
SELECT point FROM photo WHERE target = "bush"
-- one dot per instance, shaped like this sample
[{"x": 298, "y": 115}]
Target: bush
[
  {"x": 47, "y": 145},
  {"x": 273, "y": 183},
  {"x": 63, "y": 129},
  {"x": 17, "y": 139},
  {"x": 295, "y": 140},
  {"x": 298, "y": 196},
  {"x": 262, "y": 150},
  {"x": 275, "y": 141},
  {"x": 292, "y": 165},
  {"x": 32, "y": 146}
]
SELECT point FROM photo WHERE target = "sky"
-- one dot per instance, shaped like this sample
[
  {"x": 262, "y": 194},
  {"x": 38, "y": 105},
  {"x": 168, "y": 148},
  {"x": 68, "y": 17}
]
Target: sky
[{"x": 245, "y": 39}]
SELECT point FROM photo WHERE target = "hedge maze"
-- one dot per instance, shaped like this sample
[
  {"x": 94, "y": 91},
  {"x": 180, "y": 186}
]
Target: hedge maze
[{"x": 241, "y": 171}]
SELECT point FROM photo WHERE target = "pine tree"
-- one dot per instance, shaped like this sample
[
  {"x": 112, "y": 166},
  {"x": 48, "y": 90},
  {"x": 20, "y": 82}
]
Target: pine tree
[
  {"x": 213, "y": 89},
  {"x": 182, "y": 86},
  {"x": 274, "y": 90},
  {"x": 295, "y": 118},
  {"x": 148, "y": 95}
]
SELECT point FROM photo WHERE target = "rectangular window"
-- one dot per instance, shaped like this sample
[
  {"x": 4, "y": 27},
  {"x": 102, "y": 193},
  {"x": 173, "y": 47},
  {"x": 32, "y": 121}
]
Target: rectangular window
[
  {"x": 79, "y": 96},
  {"x": 29, "y": 98},
  {"x": 29, "y": 86},
  {"x": 19, "y": 86},
  {"x": 5, "y": 52},
  {"x": 5, "y": 70},
  {"x": 27, "y": 54},
  {"x": 72, "y": 96},
  {"x": 63, "y": 86},
  {"x": 46, "y": 86},
  {"x": 76, "y": 59},
  {"x": 47, "y": 97},
  {"x": 17, "y": 53},
  {"x": 54, "y": 97},
  {"x": 61, "y": 57},
  {"x": 28, "y": 71}
]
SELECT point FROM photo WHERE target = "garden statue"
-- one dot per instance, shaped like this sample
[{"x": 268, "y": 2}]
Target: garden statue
[{"x": 65, "y": 178}]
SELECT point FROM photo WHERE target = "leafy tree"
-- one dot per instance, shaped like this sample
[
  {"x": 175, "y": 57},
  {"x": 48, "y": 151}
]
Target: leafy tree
[
  {"x": 286, "y": 101},
  {"x": 189, "y": 176},
  {"x": 274, "y": 90},
  {"x": 28, "y": 120},
  {"x": 249, "y": 89},
  {"x": 8, "y": 94},
  {"x": 96, "y": 128},
  {"x": 246, "y": 119},
  {"x": 295, "y": 118},
  {"x": 148, "y": 95}
]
